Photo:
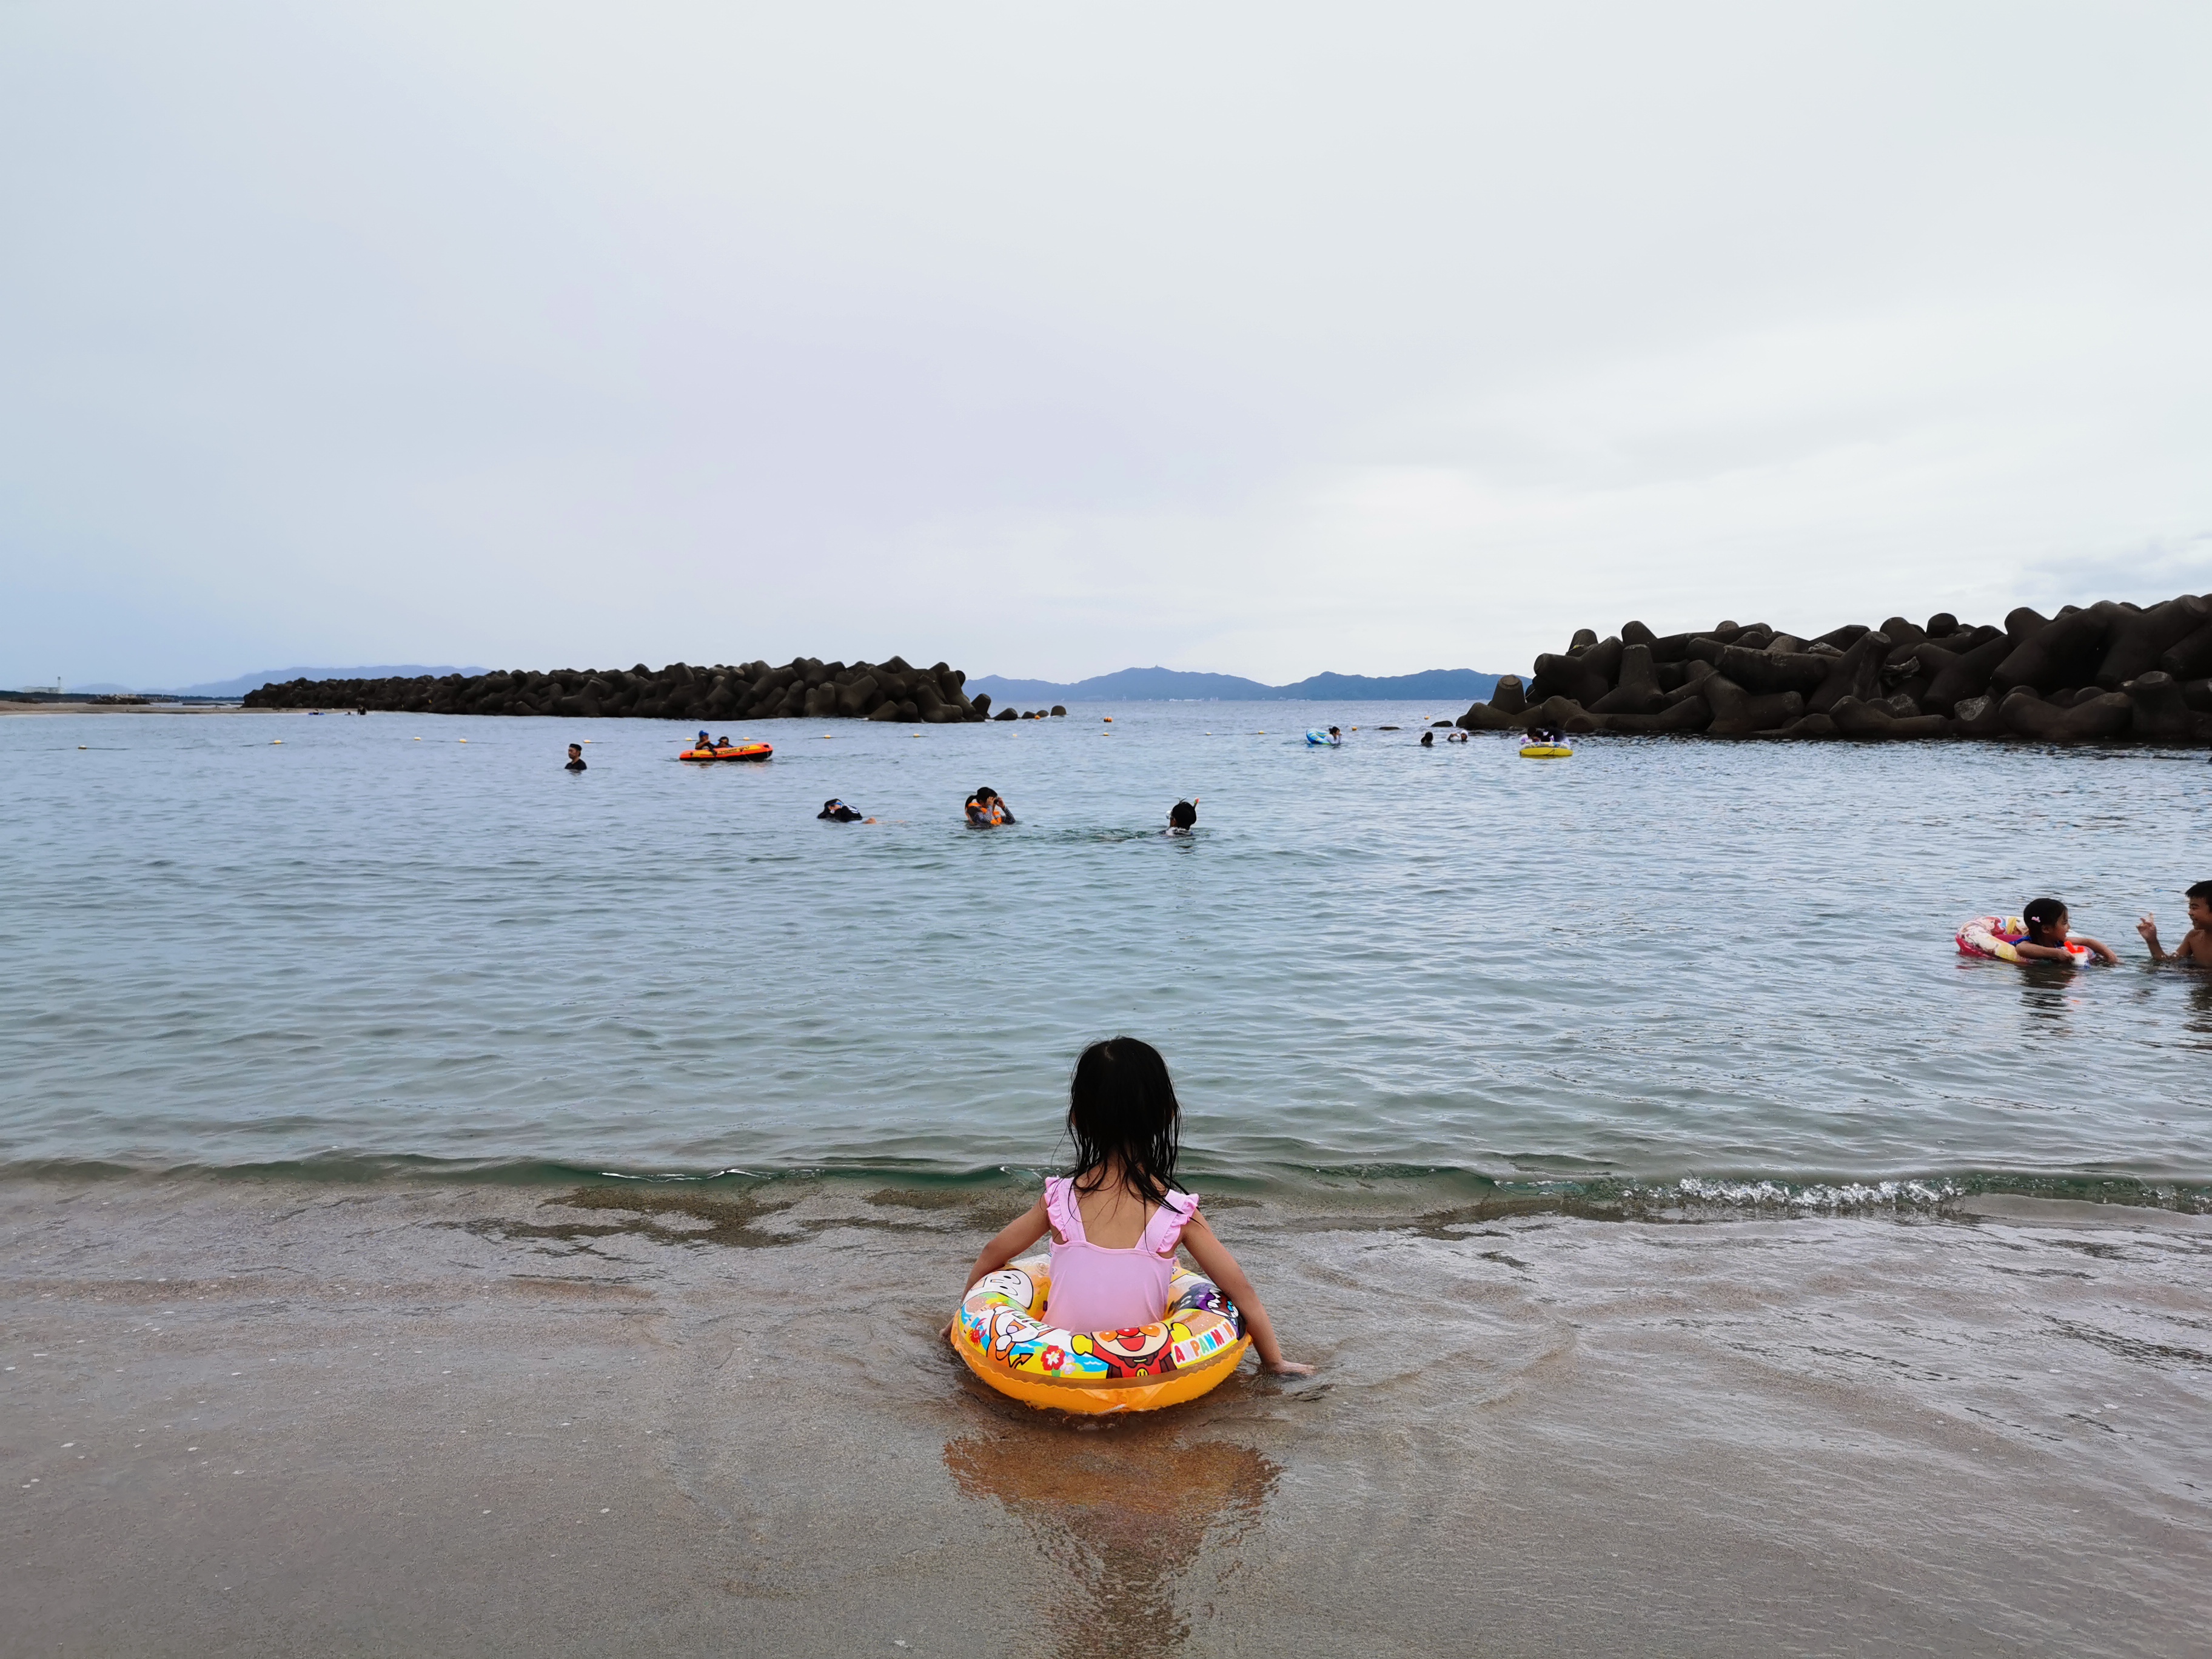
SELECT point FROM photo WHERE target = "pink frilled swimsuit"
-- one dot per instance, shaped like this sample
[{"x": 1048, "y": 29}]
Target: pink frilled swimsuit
[{"x": 1096, "y": 1289}]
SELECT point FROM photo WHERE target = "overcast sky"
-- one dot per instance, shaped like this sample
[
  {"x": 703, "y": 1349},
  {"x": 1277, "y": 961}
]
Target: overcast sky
[{"x": 1051, "y": 338}]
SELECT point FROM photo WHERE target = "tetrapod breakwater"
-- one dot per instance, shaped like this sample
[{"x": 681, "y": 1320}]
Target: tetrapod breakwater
[{"x": 2109, "y": 673}]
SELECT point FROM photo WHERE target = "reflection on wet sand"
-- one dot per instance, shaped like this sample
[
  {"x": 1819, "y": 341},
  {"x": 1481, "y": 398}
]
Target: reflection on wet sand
[{"x": 1124, "y": 1509}]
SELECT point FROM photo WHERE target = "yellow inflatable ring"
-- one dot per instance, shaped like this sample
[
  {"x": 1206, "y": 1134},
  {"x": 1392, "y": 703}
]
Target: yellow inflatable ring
[
  {"x": 1002, "y": 1335},
  {"x": 1546, "y": 751}
]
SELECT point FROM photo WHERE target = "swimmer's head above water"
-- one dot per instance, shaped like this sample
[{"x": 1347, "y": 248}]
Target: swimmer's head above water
[
  {"x": 1182, "y": 815},
  {"x": 1124, "y": 1119}
]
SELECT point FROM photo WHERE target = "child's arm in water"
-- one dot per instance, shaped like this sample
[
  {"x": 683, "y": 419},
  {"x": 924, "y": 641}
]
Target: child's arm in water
[
  {"x": 1012, "y": 1239},
  {"x": 1214, "y": 1261},
  {"x": 2031, "y": 951}
]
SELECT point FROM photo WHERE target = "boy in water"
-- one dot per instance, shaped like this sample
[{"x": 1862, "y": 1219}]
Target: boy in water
[
  {"x": 575, "y": 758},
  {"x": 2048, "y": 935},
  {"x": 1182, "y": 817},
  {"x": 2196, "y": 946}
]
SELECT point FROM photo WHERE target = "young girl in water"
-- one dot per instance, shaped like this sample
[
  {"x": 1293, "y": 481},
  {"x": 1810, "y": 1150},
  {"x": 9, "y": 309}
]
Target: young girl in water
[
  {"x": 2048, "y": 936},
  {"x": 1116, "y": 1218}
]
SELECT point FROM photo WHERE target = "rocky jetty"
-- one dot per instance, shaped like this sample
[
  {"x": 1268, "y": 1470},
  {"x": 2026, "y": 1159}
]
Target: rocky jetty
[
  {"x": 2111, "y": 672},
  {"x": 804, "y": 687}
]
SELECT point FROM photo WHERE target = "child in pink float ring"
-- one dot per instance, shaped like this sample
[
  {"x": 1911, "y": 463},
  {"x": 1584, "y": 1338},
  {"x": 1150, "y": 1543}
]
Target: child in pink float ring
[
  {"x": 1116, "y": 1218},
  {"x": 2048, "y": 936}
]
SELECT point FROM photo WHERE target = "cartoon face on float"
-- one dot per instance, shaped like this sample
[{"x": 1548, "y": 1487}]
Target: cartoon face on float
[
  {"x": 1141, "y": 1348},
  {"x": 1012, "y": 1283},
  {"x": 1203, "y": 1297},
  {"x": 1011, "y": 1329}
]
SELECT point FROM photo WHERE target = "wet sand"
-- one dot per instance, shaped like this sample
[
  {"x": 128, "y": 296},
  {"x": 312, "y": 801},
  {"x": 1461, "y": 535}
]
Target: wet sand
[{"x": 264, "y": 1417}]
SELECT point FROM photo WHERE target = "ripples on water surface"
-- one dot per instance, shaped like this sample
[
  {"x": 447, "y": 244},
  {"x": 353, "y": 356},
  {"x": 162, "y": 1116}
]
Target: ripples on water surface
[{"x": 1657, "y": 961}]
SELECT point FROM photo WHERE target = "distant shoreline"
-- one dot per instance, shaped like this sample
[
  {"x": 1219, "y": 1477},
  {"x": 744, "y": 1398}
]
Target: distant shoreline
[{"x": 128, "y": 708}]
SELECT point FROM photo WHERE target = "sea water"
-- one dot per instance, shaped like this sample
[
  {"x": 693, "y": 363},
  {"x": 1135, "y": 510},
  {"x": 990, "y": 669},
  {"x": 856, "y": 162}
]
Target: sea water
[
  {"x": 546, "y": 1192},
  {"x": 1698, "y": 970}
]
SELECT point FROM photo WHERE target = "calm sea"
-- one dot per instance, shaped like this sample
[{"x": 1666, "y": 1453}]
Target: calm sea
[{"x": 416, "y": 942}]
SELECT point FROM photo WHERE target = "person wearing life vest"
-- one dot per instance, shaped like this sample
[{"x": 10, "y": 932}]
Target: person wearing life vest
[{"x": 985, "y": 808}]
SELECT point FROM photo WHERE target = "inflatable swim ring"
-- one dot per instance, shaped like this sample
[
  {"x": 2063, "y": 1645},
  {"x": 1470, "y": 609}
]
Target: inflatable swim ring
[
  {"x": 1002, "y": 1335},
  {"x": 1995, "y": 936},
  {"x": 1322, "y": 740},
  {"x": 1545, "y": 751},
  {"x": 735, "y": 751}
]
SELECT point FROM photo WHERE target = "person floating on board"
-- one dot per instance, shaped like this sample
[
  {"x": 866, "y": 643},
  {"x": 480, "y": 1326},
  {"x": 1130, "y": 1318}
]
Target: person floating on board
[
  {"x": 575, "y": 758},
  {"x": 2048, "y": 936},
  {"x": 2196, "y": 946}
]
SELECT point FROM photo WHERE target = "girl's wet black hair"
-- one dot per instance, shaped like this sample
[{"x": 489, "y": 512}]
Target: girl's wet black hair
[
  {"x": 1121, "y": 1109},
  {"x": 2043, "y": 912}
]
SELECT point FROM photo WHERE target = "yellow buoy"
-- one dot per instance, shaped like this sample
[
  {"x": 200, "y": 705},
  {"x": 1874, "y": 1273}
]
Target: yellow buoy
[{"x": 276, "y": 739}]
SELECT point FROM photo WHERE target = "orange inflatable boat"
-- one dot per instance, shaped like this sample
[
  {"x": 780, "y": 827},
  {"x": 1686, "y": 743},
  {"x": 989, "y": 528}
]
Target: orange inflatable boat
[{"x": 735, "y": 751}]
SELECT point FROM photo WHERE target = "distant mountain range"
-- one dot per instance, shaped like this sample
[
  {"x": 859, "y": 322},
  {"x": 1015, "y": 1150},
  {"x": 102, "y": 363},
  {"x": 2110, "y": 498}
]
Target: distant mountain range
[
  {"x": 1172, "y": 684},
  {"x": 1128, "y": 685},
  {"x": 246, "y": 683}
]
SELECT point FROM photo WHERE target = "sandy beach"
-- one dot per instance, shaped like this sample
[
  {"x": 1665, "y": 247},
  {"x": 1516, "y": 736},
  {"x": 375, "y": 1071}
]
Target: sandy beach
[{"x": 266, "y": 1417}]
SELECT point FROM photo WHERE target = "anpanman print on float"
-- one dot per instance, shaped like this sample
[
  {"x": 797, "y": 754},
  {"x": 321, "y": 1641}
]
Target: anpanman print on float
[{"x": 1000, "y": 1335}]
